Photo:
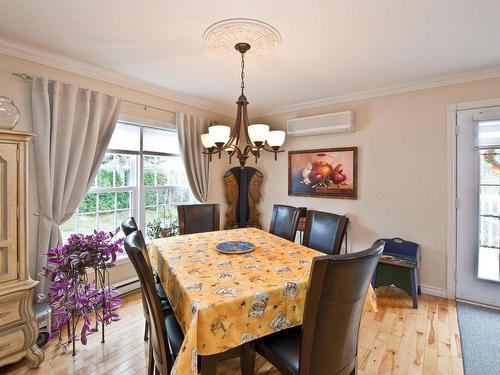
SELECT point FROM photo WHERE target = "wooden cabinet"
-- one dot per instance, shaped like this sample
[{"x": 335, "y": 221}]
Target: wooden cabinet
[{"x": 18, "y": 329}]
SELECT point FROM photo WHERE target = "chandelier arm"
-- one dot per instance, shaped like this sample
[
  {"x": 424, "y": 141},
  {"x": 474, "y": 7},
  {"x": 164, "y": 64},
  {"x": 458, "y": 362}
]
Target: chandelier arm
[
  {"x": 265, "y": 148},
  {"x": 246, "y": 124}
]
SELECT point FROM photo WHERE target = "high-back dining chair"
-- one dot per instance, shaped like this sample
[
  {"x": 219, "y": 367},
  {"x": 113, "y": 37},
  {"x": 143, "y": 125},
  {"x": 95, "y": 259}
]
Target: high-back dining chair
[
  {"x": 327, "y": 342},
  {"x": 166, "y": 335},
  {"x": 129, "y": 226},
  {"x": 325, "y": 231},
  {"x": 284, "y": 221},
  {"x": 197, "y": 218}
]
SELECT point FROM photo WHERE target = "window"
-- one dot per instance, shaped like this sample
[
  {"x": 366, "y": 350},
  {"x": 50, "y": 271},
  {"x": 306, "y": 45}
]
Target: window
[
  {"x": 488, "y": 265},
  {"x": 146, "y": 182}
]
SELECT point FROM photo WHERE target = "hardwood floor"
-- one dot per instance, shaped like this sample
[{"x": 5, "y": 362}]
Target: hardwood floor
[{"x": 396, "y": 340}]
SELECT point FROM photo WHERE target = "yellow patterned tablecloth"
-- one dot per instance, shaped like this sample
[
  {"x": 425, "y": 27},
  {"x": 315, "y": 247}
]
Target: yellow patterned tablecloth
[{"x": 222, "y": 301}]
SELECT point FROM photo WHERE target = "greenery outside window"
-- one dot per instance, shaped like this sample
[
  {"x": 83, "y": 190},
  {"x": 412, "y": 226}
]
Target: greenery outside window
[{"x": 141, "y": 175}]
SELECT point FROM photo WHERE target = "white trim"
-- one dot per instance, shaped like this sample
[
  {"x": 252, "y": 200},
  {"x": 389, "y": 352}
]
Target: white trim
[
  {"x": 478, "y": 304},
  {"x": 451, "y": 227},
  {"x": 475, "y": 105},
  {"x": 92, "y": 71},
  {"x": 375, "y": 93},
  {"x": 433, "y": 291},
  {"x": 142, "y": 121},
  {"x": 451, "y": 244}
]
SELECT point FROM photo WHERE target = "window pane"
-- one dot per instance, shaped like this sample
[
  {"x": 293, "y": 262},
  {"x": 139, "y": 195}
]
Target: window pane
[
  {"x": 125, "y": 137},
  {"x": 106, "y": 221},
  {"x": 159, "y": 140},
  {"x": 122, "y": 170},
  {"x": 68, "y": 227},
  {"x": 89, "y": 203},
  {"x": 150, "y": 214},
  {"x": 106, "y": 201},
  {"x": 86, "y": 223},
  {"x": 149, "y": 163},
  {"x": 489, "y": 221},
  {"x": 122, "y": 215},
  {"x": 105, "y": 174},
  {"x": 123, "y": 199},
  {"x": 150, "y": 198}
]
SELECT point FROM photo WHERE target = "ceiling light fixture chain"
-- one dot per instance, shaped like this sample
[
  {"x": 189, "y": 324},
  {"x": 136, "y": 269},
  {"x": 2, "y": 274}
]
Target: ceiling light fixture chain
[{"x": 242, "y": 72}]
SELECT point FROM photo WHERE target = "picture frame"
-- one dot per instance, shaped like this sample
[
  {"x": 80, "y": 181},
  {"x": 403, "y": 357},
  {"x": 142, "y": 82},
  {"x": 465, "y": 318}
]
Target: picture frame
[{"x": 323, "y": 173}]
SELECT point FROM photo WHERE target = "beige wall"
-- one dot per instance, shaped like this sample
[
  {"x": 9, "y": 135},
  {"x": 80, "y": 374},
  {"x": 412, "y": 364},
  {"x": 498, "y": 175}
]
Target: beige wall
[
  {"x": 402, "y": 177},
  {"x": 401, "y": 141},
  {"x": 20, "y": 92}
]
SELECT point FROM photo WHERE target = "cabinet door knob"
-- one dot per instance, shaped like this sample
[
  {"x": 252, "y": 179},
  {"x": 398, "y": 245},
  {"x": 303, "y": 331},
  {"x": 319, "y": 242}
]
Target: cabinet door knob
[{"x": 5, "y": 313}]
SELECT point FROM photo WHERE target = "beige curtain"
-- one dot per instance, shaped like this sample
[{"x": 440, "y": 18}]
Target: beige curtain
[
  {"x": 189, "y": 130},
  {"x": 73, "y": 127}
]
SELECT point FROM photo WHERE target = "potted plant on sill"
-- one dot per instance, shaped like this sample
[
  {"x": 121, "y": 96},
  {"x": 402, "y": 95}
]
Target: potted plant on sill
[{"x": 158, "y": 228}]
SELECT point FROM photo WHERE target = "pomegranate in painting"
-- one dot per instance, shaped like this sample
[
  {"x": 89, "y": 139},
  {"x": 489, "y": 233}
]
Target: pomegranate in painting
[
  {"x": 337, "y": 176},
  {"x": 319, "y": 171},
  {"x": 323, "y": 172}
]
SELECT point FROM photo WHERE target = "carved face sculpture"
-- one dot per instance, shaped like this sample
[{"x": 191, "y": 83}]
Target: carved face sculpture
[
  {"x": 254, "y": 189},
  {"x": 231, "y": 188}
]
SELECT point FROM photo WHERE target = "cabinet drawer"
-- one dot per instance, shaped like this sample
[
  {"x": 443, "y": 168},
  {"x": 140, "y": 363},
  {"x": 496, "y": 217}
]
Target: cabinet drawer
[
  {"x": 12, "y": 341},
  {"x": 10, "y": 311}
]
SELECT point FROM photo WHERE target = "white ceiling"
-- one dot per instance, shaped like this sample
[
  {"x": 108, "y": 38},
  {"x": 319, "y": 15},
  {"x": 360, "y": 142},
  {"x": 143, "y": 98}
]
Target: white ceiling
[{"x": 329, "y": 48}]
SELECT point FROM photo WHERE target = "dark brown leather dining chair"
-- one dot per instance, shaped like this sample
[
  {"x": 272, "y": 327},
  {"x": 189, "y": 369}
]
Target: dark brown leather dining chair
[
  {"x": 129, "y": 226},
  {"x": 166, "y": 334},
  {"x": 327, "y": 342},
  {"x": 284, "y": 221},
  {"x": 325, "y": 231},
  {"x": 198, "y": 218}
]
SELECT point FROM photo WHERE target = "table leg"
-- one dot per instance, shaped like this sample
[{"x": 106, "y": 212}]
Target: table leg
[
  {"x": 247, "y": 360},
  {"x": 208, "y": 365}
]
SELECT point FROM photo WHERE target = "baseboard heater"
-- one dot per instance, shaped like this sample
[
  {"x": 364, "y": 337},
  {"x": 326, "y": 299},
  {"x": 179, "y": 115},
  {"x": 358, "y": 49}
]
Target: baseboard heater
[{"x": 128, "y": 285}]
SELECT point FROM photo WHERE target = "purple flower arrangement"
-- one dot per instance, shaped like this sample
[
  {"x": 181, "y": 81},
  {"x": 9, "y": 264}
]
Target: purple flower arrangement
[{"x": 71, "y": 296}]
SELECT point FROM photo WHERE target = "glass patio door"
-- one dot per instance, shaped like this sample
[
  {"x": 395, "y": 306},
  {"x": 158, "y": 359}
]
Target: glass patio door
[{"x": 478, "y": 206}]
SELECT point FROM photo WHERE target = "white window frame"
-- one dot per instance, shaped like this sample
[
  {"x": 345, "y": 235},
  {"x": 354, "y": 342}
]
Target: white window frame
[{"x": 137, "y": 187}]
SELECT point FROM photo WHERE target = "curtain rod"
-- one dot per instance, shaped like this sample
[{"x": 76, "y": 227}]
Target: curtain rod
[{"x": 28, "y": 77}]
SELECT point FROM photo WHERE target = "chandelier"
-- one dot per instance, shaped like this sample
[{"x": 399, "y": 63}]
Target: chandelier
[{"x": 243, "y": 140}]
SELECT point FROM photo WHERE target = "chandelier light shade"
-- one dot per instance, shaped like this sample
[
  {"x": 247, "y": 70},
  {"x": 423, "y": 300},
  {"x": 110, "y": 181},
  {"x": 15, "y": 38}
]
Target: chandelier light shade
[
  {"x": 276, "y": 138},
  {"x": 258, "y": 133},
  {"x": 243, "y": 140},
  {"x": 207, "y": 141},
  {"x": 219, "y": 134}
]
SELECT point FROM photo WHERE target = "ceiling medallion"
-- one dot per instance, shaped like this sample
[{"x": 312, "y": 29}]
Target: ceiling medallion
[{"x": 222, "y": 36}]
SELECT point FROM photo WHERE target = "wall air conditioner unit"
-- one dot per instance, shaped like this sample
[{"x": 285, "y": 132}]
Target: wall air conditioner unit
[{"x": 331, "y": 123}]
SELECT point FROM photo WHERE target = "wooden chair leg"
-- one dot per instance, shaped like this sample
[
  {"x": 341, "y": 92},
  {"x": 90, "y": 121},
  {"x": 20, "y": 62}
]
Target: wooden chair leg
[
  {"x": 151, "y": 365},
  {"x": 419, "y": 290},
  {"x": 146, "y": 330},
  {"x": 247, "y": 360},
  {"x": 208, "y": 365},
  {"x": 414, "y": 291}
]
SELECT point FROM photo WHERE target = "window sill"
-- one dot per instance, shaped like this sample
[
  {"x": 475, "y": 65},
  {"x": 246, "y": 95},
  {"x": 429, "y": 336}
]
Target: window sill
[{"x": 122, "y": 259}]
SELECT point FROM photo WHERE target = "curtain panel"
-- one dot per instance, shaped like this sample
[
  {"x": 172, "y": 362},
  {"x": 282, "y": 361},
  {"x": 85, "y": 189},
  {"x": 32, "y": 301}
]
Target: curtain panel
[
  {"x": 189, "y": 130},
  {"x": 73, "y": 127}
]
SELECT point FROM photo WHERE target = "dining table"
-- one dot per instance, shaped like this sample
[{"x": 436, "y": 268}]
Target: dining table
[{"x": 222, "y": 301}]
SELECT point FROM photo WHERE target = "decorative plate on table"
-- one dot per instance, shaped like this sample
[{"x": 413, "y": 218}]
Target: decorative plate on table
[{"x": 234, "y": 247}]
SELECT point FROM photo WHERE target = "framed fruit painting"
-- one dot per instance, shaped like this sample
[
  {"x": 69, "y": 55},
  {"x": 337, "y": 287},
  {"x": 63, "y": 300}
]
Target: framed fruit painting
[{"x": 327, "y": 173}]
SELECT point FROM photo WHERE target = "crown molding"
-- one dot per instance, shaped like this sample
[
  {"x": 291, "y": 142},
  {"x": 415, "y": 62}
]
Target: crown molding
[
  {"x": 390, "y": 90},
  {"x": 67, "y": 64}
]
